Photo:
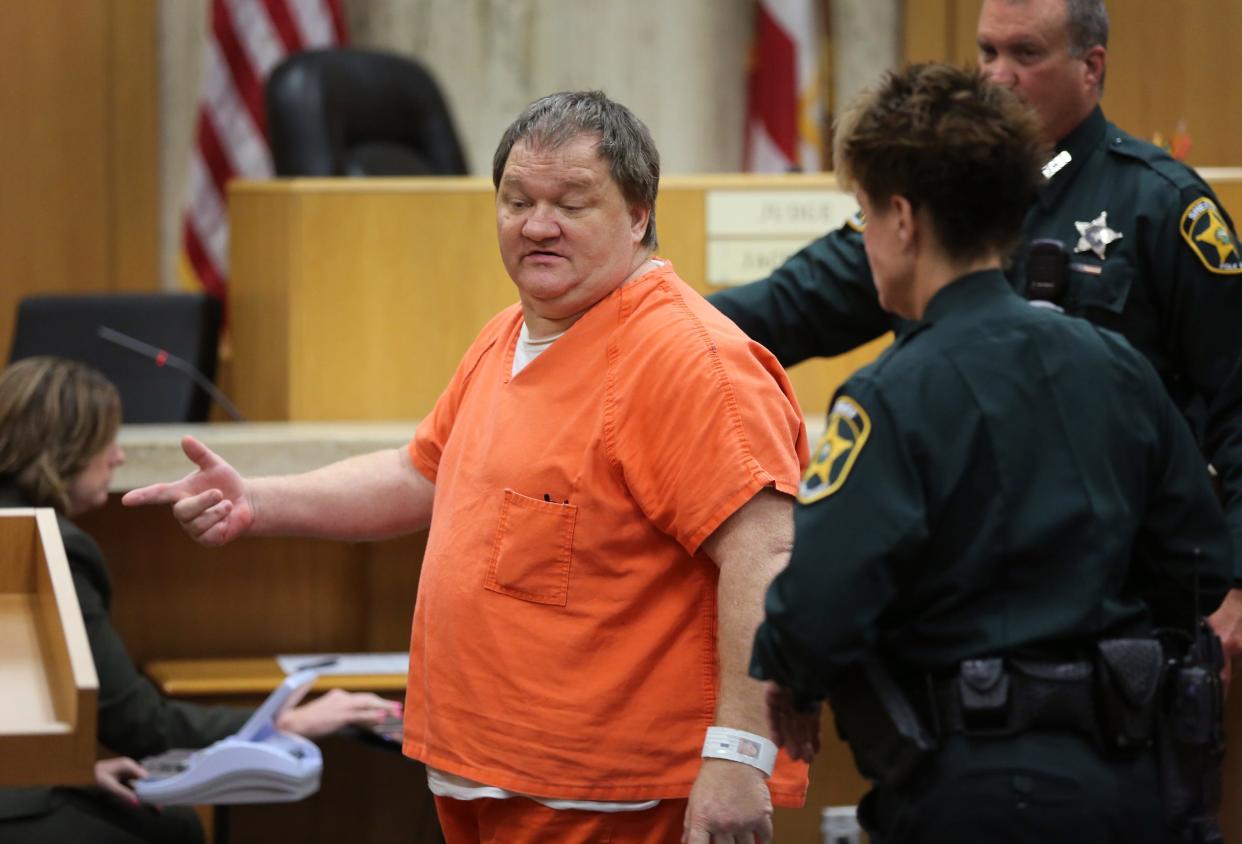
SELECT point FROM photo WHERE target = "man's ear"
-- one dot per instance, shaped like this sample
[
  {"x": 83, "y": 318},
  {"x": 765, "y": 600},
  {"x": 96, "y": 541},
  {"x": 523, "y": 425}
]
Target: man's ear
[
  {"x": 1093, "y": 64},
  {"x": 640, "y": 216}
]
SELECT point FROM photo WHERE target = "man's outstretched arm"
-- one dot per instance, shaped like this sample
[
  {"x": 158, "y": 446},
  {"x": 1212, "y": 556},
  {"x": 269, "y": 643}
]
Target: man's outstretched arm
[{"x": 371, "y": 496}]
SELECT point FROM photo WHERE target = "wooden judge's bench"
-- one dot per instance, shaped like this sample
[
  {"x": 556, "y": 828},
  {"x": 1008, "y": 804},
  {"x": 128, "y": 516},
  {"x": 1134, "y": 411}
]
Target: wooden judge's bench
[{"x": 351, "y": 303}]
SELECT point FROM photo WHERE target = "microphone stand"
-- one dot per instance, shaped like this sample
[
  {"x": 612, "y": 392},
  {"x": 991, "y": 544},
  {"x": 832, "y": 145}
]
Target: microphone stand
[{"x": 160, "y": 357}]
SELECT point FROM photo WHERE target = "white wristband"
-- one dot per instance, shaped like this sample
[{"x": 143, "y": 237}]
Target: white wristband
[{"x": 740, "y": 746}]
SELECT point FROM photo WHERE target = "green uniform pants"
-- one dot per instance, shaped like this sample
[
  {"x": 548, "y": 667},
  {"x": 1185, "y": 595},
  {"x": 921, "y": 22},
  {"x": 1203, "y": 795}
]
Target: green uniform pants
[{"x": 1038, "y": 787}]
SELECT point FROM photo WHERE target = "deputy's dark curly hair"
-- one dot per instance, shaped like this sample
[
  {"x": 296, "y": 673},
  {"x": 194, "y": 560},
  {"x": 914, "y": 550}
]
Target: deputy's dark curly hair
[{"x": 949, "y": 141}]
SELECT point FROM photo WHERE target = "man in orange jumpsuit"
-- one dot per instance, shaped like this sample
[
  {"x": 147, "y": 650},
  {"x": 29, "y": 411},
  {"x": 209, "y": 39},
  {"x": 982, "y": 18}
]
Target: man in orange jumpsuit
[{"x": 610, "y": 471}]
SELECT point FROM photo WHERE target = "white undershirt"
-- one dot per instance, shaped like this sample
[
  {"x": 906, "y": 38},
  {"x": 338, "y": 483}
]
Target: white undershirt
[
  {"x": 444, "y": 784},
  {"x": 528, "y": 349}
]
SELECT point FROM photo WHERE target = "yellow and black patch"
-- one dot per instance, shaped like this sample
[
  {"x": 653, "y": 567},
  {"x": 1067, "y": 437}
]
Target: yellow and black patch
[
  {"x": 857, "y": 221},
  {"x": 834, "y": 457},
  {"x": 1205, "y": 230}
]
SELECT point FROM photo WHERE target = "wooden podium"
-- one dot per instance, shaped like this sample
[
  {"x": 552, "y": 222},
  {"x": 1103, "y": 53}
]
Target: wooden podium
[
  {"x": 47, "y": 709},
  {"x": 356, "y": 298}
]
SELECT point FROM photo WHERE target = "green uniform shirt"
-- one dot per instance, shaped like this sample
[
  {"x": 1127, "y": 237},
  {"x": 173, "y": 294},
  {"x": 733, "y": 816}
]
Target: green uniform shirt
[
  {"x": 1004, "y": 479},
  {"x": 1171, "y": 283}
]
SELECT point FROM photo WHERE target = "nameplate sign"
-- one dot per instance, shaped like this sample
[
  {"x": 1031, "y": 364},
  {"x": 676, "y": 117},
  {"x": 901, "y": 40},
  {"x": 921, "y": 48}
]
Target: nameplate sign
[{"x": 750, "y": 233}]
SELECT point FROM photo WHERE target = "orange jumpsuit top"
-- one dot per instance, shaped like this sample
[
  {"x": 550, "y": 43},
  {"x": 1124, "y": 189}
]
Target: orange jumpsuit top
[{"x": 564, "y": 637}]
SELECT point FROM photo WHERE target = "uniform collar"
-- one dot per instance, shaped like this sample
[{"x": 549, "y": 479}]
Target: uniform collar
[
  {"x": 967, "y": 292},
  {"x": 1078, "y": 144}
]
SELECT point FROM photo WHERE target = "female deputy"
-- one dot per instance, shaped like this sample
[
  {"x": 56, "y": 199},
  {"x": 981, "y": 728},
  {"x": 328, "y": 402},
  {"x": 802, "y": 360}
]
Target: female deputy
[
  {"x": 58, "y": 426},
  {"x": 998, "y": 500}
]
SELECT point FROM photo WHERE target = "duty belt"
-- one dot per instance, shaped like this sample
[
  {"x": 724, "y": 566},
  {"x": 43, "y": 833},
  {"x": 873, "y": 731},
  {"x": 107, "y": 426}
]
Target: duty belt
[{"x": 1111, "y": 699}]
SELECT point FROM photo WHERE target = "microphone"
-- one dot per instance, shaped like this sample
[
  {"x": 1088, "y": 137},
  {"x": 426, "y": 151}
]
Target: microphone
[{"x": 160, "y": 357}]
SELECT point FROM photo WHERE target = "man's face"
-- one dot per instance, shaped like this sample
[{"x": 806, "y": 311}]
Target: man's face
[
  {"x": 1026, "y": 46},
  {"x": 567, "y": 236}
]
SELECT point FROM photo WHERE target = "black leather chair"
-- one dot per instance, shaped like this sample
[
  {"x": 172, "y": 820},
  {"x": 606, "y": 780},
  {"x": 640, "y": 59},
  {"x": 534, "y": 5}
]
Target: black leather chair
[
  {"x": 350, "y": 112},
  {"x": 186, "y": 325}
]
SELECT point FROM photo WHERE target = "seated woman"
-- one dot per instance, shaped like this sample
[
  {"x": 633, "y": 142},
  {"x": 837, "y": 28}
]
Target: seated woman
[{"x": 58, "y": 426}]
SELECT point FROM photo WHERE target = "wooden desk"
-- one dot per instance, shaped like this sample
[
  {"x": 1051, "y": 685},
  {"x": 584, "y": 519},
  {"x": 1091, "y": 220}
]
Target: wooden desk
[
  {"x": 367, "y": 790},
  {"x": 207, "y": 678},
  {"x": 47, "y": 709}
]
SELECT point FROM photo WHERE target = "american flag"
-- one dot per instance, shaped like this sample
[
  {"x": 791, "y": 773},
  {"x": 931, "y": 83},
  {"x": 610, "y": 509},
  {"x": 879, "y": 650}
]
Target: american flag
[
  {"x": 247, "y": 39},
  {"x": 783, "y": 109}
]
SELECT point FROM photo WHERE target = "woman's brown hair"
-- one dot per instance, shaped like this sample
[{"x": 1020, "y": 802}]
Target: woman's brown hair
[{"x": 55, "y": 415}]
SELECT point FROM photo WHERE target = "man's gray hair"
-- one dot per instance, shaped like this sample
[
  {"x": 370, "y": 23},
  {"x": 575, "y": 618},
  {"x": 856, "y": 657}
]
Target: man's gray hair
[
  {"x": 624, "y": 142},
  {"x": 1088, "y": 25}
]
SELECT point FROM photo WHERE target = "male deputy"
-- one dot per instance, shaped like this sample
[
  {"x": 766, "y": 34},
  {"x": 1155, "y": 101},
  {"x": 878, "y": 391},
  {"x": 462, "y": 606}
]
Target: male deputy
[
  {"x": 612, "y": 470},
  {"x": 1005, "y": 506},
  {"x": 1153, "y": 255}
]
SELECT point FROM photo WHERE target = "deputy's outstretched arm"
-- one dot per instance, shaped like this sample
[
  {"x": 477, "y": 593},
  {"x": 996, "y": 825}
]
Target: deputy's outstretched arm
[
  {"x": 820, "y": 302},
  {"x": 371, "y": 496}
]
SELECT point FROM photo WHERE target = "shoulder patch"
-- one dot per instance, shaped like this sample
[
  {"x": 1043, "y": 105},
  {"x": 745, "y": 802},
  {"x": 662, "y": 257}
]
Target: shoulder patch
[
  {"x": 857, "y": 221},
  {"x": 1204, "y": 229},
  {"x": 837, "y": 451}
]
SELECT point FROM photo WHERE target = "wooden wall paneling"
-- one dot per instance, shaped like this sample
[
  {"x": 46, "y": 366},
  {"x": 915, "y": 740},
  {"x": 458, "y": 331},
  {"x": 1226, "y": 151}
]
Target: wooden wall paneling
[
  {"x": 1227, "y": 183},
  {"x": 262, "y": 254},
  {"x": 964, "y": 49},
  {"x": 133, "y": 162},
  {"x": 53, "y": 151},
  {"x": 927, "y": 26},
  {"x": 681, "y": 220},
  {"x": 424, "y": 276},
  {"x": 78, "y": 155},
  {"x": 391, "y": 569},
  {"x": 1173, "y": 62},
  {"x": 176, "y": 600}
]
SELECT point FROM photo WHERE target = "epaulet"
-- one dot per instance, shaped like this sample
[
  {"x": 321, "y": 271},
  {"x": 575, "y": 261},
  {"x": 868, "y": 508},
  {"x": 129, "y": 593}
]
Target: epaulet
[
  {"x": 857, "y": 221},
  {"x": 1173, "y": 171}
]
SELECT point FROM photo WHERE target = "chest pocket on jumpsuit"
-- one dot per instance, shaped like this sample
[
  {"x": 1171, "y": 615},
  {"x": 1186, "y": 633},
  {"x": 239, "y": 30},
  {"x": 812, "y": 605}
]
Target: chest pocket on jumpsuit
[{"x": 533, "y": 551}]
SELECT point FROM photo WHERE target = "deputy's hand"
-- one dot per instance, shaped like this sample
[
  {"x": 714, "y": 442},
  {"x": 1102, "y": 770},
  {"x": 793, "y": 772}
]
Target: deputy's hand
[
  {"x": 1227, "y": 622},
  {"x": 729, "y": 804},
  {"x": 212, "y": 503},
  {"x": 114, "y": 776},
  {"x": 792, "y": 729},
  {"x": 336, "y": 709}
]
